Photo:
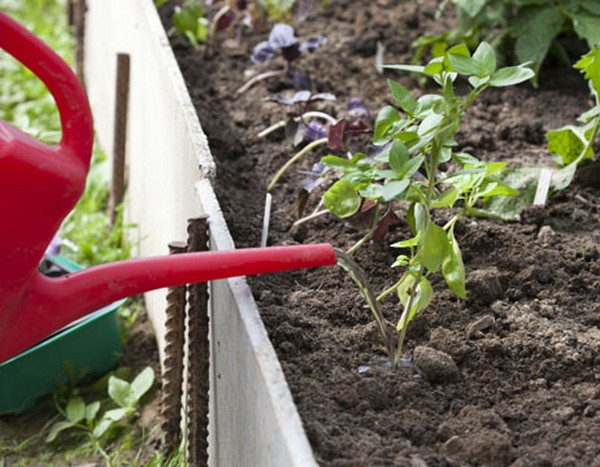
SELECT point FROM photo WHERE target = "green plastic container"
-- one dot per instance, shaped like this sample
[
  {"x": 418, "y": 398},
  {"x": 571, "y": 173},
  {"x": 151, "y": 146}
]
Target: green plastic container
[{"x": 91, "y": 346}]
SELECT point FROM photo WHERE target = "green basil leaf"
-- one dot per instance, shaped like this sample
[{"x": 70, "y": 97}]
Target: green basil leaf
[
  {"x": 342, "y": 199},
  {"x": 398, "y": 155},
  {"x": 510, "y": 76},
  {"x": 402, "y": 96},
  {"x": 446, "y": 199},
  {"x": 394, "y": 188},
  {"x": 387, "y": 124}
]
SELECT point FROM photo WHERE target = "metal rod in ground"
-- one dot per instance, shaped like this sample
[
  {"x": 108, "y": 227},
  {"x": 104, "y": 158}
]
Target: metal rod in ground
[
  {"x": 198, "y": 353},
  {"x": 172, "y": 388},
  {"x": 77, "y": 11},
  {"x": 117, "y": 186}
]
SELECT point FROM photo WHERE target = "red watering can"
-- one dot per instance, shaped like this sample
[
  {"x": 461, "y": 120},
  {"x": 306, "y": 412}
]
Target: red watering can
[{"x": 40, "y": 184}]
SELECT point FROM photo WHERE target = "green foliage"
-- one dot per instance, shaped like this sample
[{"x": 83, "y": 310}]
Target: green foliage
[
  {"x": 416, "y": 140},
  {"x": 572, "y": 144},
  {"x": 190, "y": 21},
  {"x": 280, "y": 10},
  {"x": 529, "y": 27},
  {"x": 86, "y": 417}
]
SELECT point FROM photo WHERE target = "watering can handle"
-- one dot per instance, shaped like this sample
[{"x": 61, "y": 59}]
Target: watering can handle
[{"x": 69, "y": 95}]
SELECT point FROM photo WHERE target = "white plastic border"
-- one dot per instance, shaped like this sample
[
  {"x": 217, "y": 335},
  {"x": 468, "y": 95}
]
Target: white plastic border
[{"x": 254, "y": 421}]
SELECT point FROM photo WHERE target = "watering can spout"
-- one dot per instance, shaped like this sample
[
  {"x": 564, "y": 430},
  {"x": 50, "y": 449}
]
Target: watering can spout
[{"x": 52, "y": 303}]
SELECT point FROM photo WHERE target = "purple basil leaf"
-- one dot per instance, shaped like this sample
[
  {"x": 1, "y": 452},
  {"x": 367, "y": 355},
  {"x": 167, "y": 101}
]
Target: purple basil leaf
[
  {"x": 309, "y": 184},
  {"x": 290, "y": 53},
  {"x": 315, "y": 130},
  {"x": 282, "y": 36},
  {"x": 357, "y": 108},
  {"x": 300, "y": 96},
  {"x": 322, "y": 96},
  {"x": 312, "y": 44},
  {"x": 301, "y": 81},
  {"x": 262, "y": 52},
  {"x": 336, "y": 136},
  {"x": 241, "y": 4},
  {"x": 225, "y": 21},
  {"x": 384, "y": 225}
]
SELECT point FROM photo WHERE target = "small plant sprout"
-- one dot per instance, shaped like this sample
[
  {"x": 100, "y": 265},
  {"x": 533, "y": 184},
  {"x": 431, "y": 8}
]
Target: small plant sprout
[
  {"x": 572, "y": 144},
  {"x": 418, "y": 166},
  {"x": 283, "y": 41},
  {"x": 319, "y": 128},
  {"x": 190, "y": 21},
  {"x": 87, "y": 417}
]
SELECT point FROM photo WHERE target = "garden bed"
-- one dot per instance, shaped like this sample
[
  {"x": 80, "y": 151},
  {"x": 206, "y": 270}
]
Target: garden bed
[{"x": 527, "y": 339}]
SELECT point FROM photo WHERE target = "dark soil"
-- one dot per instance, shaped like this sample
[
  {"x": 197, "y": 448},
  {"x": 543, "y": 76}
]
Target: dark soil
[{"x": 511, "y": 376}]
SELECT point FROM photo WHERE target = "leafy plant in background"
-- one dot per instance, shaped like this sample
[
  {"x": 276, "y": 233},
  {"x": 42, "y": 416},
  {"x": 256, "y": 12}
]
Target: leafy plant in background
[
  {"x": 574, "y": 143},
  {"x": 286, "y": 10},
  {"x": 529, "y": 27},
  {"x": 190, "y": 21},
  {"x": 415, "y": 167},
  {"x": 317, "y": 128},
  {"x": 282, "y": 41},
  {"x": 86, "y": 418}
]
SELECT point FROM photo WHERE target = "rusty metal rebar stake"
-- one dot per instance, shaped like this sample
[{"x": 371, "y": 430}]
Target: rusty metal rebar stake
[
  {"x": 172, "y": 389},
  {"x": 117, "y": 186},
  {"x": 198, "y": 353}
]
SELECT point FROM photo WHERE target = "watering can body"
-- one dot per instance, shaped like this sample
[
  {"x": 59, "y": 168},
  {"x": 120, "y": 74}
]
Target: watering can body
[{"x": 40, "y": 184}]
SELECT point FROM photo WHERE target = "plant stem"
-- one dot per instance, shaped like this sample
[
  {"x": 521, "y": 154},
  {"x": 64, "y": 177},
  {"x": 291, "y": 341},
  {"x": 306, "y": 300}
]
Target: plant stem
[
  {"x": 282, "y": 123},
  {"x": 369, "y": 233},
  {"x": 310, "y": 217},
  {"x": 260, "y": 77},
  {"x": 306, "y": 149},
  {"x": 357, "y": 274},
  {"x": 405, "y": 317}
]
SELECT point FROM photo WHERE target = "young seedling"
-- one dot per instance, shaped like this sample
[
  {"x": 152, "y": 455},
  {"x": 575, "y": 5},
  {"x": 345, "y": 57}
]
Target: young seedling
[
  {"x": 190, "y": 21},
  {"x": 417, "y": 137},
  {"x": 283, "y": 41}
]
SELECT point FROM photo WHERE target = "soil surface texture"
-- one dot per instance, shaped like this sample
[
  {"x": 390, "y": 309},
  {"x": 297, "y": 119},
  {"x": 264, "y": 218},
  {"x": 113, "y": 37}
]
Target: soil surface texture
[{"x": 510, "y": 376}]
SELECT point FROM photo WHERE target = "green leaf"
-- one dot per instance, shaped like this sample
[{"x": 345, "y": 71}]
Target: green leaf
[
  {"x": 336, "y": 162},
  {"x": 102, "y": 427},
  {"x": 57, "y": 428},
  {"x": 91, "y": 410},
  {"x": 75, "y": 410},
  {"x": 465, "y": 65},
  {"x": 142, "y": 383},
  {"x": 471, "y": 7},
  {"x": 409, "y": 68},
  {"x": 593, "y": 6},
  {"x": 120, "y": 391},
  {"x": 342, "y": 199},
  {"x": 410, "y": 167},
  {"x": 568, "y": 143},
  {"x": 401, "y": 261},
  {"x": 410, "y": 243},
  {"x": 116, "y": 415},
  {"x": 510, "y": 76},
  {"x": 402, "y": 97},
  {"x": 434, "y": 246},
  {"x": 398, "y": 155},
  {"x": 446, "y": 199},
  {"x": 486, "y": 58},
  {"x": 424, "y": 294},
  {"x": 394, "y": 188},
  {"x": 387, "y": 124},
  {"x": 590, "y": 64},
  {"x": 535, "y": 29},
  {"x": 371, "y": 191},
  {"x": 587, "y": 27},
  {"x": 453, "y": 268},
  {"x": 428, "y": 103}
]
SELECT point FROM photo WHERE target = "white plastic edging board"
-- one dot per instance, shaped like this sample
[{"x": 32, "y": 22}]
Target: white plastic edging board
[{"x": 254, "y": 421}]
